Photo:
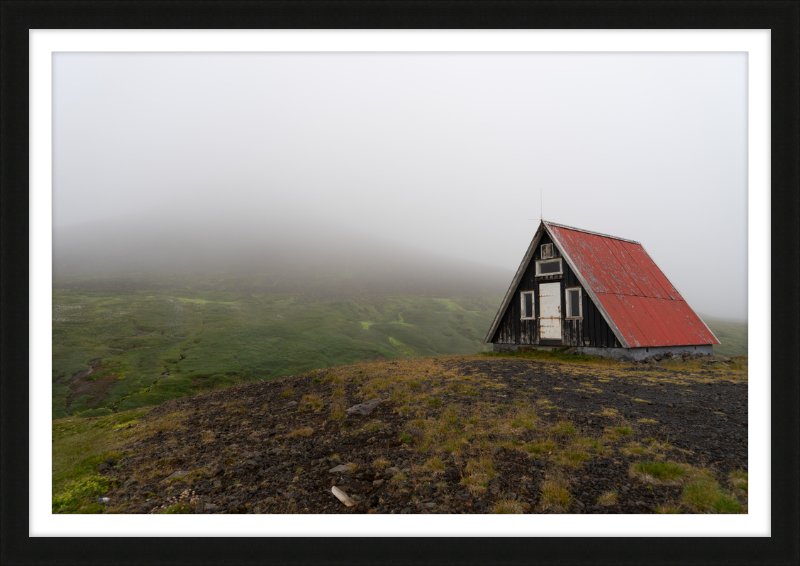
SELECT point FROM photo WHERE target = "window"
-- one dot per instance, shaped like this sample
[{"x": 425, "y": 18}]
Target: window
[
  {"x": 574, "y": 303},
  {"x": 526, "y": 301},
  {"x": 549, "y": 267},
  {"x": 547, "y": 251}
]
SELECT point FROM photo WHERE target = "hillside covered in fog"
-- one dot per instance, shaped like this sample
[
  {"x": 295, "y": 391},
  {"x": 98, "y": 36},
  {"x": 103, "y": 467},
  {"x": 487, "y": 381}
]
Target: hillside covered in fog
[{"x": 257, "y": 252}]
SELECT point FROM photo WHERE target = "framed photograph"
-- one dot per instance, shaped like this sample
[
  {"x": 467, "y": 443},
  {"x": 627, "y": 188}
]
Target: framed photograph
[{"x": 203, "y": 201}]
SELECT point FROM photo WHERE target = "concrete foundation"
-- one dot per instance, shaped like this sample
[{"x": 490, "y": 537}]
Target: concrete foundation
[{"x": 616, "y": 353}]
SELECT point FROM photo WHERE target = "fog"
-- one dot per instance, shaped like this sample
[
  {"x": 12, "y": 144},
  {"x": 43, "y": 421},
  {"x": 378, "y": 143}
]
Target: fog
[{"x": 414, "y": 170}]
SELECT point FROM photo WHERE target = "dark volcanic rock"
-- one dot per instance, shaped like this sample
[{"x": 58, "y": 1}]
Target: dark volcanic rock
[{"x": 245, "y": 450}]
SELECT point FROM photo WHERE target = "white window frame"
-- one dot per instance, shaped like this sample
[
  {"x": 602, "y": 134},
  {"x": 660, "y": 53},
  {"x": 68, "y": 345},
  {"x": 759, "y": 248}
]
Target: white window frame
[
  {"x": 540, "y": 262},
  {"x": 580, "y": 302},
  {"x": 522, "y": 305}
]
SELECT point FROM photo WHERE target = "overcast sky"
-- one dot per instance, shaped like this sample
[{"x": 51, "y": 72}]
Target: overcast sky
[{"x": 445, "y": 153}]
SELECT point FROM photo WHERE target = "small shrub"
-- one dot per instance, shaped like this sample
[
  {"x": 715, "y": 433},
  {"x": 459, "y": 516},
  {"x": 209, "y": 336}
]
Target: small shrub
[{"x": 507, "y": 506}]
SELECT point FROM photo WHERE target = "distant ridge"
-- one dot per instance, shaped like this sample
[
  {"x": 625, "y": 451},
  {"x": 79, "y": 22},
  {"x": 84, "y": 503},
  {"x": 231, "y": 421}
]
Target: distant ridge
[{"x": 249, "y": 253}]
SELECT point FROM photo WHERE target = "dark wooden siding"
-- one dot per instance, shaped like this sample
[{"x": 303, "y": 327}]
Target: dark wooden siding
[{"x": 512, "y": 330}]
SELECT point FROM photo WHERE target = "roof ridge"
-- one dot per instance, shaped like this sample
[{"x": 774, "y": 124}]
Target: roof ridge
[{"x": 590, "y": 232}]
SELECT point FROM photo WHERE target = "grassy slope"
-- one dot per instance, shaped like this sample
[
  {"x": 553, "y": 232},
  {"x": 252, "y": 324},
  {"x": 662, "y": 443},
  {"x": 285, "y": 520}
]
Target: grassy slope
[
  {"x": 731, "y": 333},
  {"x": 212, "y": 339}
]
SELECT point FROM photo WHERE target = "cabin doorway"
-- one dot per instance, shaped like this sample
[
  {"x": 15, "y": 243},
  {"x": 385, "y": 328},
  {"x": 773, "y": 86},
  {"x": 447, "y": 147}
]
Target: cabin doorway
[{"x": 550, "y": 311}]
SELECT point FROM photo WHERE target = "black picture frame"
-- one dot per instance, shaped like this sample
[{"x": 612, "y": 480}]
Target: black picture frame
[{"x": 782, "y": 18}]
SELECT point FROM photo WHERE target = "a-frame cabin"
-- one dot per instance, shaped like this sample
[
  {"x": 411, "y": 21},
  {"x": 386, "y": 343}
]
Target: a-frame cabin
[{"x": 601, "y": 294}]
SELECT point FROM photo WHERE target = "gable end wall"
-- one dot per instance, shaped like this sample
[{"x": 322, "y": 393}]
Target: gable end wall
[{"x": 512, "y": 330}]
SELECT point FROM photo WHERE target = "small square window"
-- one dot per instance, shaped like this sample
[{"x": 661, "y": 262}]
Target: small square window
[
  {"x": 526, "y": 302},
  {"x": 549, "y": 267},
  {"x": 547, "y": 251},
  {"x": 574, "y": 303}
]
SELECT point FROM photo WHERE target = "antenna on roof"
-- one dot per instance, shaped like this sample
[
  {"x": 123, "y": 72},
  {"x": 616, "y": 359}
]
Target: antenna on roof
[{"x": 541, "y": 207}]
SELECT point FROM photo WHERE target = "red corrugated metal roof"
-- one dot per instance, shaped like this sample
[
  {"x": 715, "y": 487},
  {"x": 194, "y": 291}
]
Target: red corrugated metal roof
[{"x": 640, "y": 301}]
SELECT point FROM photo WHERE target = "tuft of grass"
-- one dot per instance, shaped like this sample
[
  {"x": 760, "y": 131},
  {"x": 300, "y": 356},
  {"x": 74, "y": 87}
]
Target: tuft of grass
[
  {"x": 704, "y": 495},
  {"x": 657, "y": 472},
  {"x": 571, "y": 457},
  {"x": 590, "y": 445},
  {"x": 338, "y": 412},
  {"x": 397, "y": 478},
  {"x": 507, "y": 506},
  {"x": 286, "y": 393},
  {"x": 555, "y": 494},
  {"x": 312, "y": 401},
  {"x": 542, "y": 447},
  {"x": 478, "y": 474},
  {"x": 666, "y": 509},
  {"x": 610, "y": 413},
  {"x": 634, "y": 449},
  {"x": 380, "y": 462},
  {"x": 623, "y": 430},
  {"x": 738, "y": 479},
  {"x": 563, "y": 428},
  {"x": 648, "y": 421},
  {"x": 608, "y": 498},
  {"x": 434, "y": 465},
  {"x": 304, "y": 432}
]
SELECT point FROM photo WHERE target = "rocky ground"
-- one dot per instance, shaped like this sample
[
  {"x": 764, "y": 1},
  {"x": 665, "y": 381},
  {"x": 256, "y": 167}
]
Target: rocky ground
[{"x": 450, "y": 435}]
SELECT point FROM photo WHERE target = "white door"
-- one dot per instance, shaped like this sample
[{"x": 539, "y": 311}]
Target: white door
[{"x": 550, "y": 311}]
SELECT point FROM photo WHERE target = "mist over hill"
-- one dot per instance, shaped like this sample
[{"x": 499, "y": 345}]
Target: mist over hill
[{"x": 263, "y": 252}]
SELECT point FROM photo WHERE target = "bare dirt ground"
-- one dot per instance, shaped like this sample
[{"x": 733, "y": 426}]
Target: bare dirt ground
[{"x": 451, "y": 435}]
